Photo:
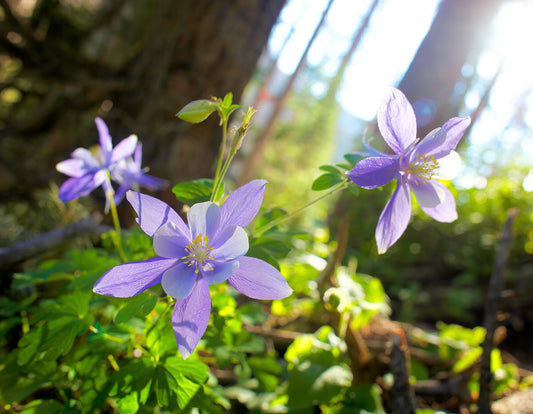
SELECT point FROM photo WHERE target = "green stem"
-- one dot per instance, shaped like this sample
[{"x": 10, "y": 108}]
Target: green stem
[
  {"x": 223, "y": 174},
  {"x": 118, "y": 234},
  {"x": 109, "y": 337},
  {"x": 332, "y": 190},
  {"x": 169, "y": 305},
  {"x": 216, "y": 185}
]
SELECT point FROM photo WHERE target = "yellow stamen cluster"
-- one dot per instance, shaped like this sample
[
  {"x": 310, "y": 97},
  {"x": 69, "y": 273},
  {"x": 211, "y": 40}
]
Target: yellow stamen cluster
[
  {"x": 198, "y": 252},
  {"x": 423, "y": 168}
]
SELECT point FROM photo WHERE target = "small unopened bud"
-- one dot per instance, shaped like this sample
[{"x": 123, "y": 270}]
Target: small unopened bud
[
  {"x": 241, "y": 131},
  {"x": 197, "y": 111}
]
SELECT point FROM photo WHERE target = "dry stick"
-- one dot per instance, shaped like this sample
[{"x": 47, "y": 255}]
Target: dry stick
[
  {"x": 24, "y": 250},
  {"x": 491, "y": 308},
  {"x": 401, "y": 399}
]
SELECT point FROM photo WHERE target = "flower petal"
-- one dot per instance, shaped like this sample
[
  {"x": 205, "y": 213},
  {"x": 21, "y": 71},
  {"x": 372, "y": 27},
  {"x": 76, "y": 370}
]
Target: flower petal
[
  {"x": 79, "y": 186},
  {"x": 106, "y": 143},
  {"x": 153, "y": 213},
  {"x": 130, "y": 279},
  {"x": 231, "y": 243},
  {"x": 396, "y": 121},
  {"x": 455, "y": 128},
  {"x": 445, "y": 211},
  {"x": 121, "y": 192},
  {"x": 243, "y": 204},
  {"x": 73, "y": 167},
  {"x": 427, "y": 193},
  {"x": 374, "y": 172},
  {"x": 394, "y": 218},
  {"x": 221, "y": 271},
  {"x": 179, "y": 280},
  {"x": 87, "y": 156},
  {"x": 259, "y": 280},
  {"x": 170, "y": 241},
  {"x": 432, "y": 144},
  {"x": 204, "y": 219},
  {"x": 124, "y": 149},
  {"x": 190, "y": 318}
]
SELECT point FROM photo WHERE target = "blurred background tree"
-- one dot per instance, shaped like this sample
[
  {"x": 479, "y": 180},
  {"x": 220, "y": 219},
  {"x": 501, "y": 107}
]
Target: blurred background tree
[{"x": 135, "y": 63}]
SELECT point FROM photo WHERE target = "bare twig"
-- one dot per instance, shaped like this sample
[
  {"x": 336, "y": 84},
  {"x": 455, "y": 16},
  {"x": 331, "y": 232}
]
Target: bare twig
[
  {"x": 491, "y": 308},
  {"x": 401, "y": 399}
]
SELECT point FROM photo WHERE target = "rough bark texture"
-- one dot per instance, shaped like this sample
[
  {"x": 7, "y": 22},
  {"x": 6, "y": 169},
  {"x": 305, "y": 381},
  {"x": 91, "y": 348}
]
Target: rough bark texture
[
  {"x": 134, "y": 63},
  {"x": 457, "y": 33}
]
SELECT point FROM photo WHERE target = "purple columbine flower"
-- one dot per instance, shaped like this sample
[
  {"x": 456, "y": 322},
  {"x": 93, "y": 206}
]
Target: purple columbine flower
[
  {"x": 90, "y": 169},
  {"x": 415, "y": 165},
  {"x": 209, "y": 250},
  {"x": 130, "y": 175}
]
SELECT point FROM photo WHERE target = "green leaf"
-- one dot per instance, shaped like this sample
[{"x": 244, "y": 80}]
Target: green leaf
[
  {"x": 163, "y": 385},
  {"x": 330, "y": 169},
  {"x": 326, "y": 181},
  {"x": 143, "y": 303},
  {"x": 42, "y": 407},
  {"x": 196, "y": 191},
  {"x": 266, "y": 370},
  {"x": 227, "y": 106},
  {"x": 129, "y": 404},
  {"x": 53, "y": 338},
  {"x": 197, "y": 111},
  {"x": 468, "y": 359},
  {"x": 189, "y": 376}
]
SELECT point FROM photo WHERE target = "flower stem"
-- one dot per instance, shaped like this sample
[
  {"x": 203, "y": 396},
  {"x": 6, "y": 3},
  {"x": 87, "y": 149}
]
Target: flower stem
[
  {"x": 165, "y": 311},
  {"x": 341, "y": 186},
  {"x": 118, "y": 234},
  {"x": 218, "y": 178},
  {"x": 108, "y": 337}
]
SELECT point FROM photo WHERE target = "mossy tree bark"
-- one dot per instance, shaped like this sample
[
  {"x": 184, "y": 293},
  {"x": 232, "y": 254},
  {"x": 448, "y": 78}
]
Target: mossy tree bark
[{"x": 134, "y": 63}]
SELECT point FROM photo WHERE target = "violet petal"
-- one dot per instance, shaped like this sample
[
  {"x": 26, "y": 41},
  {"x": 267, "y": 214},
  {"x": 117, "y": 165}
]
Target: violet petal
[
  {"x": 72, "y": 167},
  {"x": 106, "y": 143},
  {"x": 124, "y": 149},
  {"x": 395, "y": 217},
  {"x": 130, "y": 279},
  {"x": 259, "y": 280},
  {"x": 231, "y": 243},
  {"x": 170, "y": 241},
  {"x": 220, "y": 272},
  {"x": 204, "y": 219},
  {"x": 190, "y": 318},
  {"x": 179, "y": 280},
  {"x": 455, "y": 128},
  {"x": 446, "y": 210},
  {"x": 153, "y": 213},
  {"x": 243, "y": 204},
  {"x": 374, "y": 172},
  {"x": 428, "y": 194},
  {"x": 396, "y": 121}
]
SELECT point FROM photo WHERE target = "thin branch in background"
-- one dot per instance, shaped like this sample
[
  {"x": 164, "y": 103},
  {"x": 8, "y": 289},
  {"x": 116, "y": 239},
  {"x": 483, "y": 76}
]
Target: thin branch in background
[
  {"x": 21, "y": 251},
  {"x": 401, "y": 394},
  {"x": 491, "y": 308}
]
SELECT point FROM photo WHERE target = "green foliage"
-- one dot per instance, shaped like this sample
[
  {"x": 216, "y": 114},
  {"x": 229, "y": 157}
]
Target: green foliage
[
  {"x": 196, "y": 191},
  {"x": 318, "y": 373},
  {"x": 197, "y": 111}
]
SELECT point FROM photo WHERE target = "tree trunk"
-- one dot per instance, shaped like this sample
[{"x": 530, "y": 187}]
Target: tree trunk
[
  {"x": 135, "y": 64},
  {"x": 458, "y": 30}
]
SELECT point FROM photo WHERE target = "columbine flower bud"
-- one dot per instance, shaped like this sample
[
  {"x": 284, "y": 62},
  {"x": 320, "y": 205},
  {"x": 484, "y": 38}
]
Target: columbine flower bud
[{"x": 241, "y": 131}]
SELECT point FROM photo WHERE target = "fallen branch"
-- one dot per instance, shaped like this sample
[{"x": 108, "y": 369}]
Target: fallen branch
[{"x": 21, "y": 251}]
